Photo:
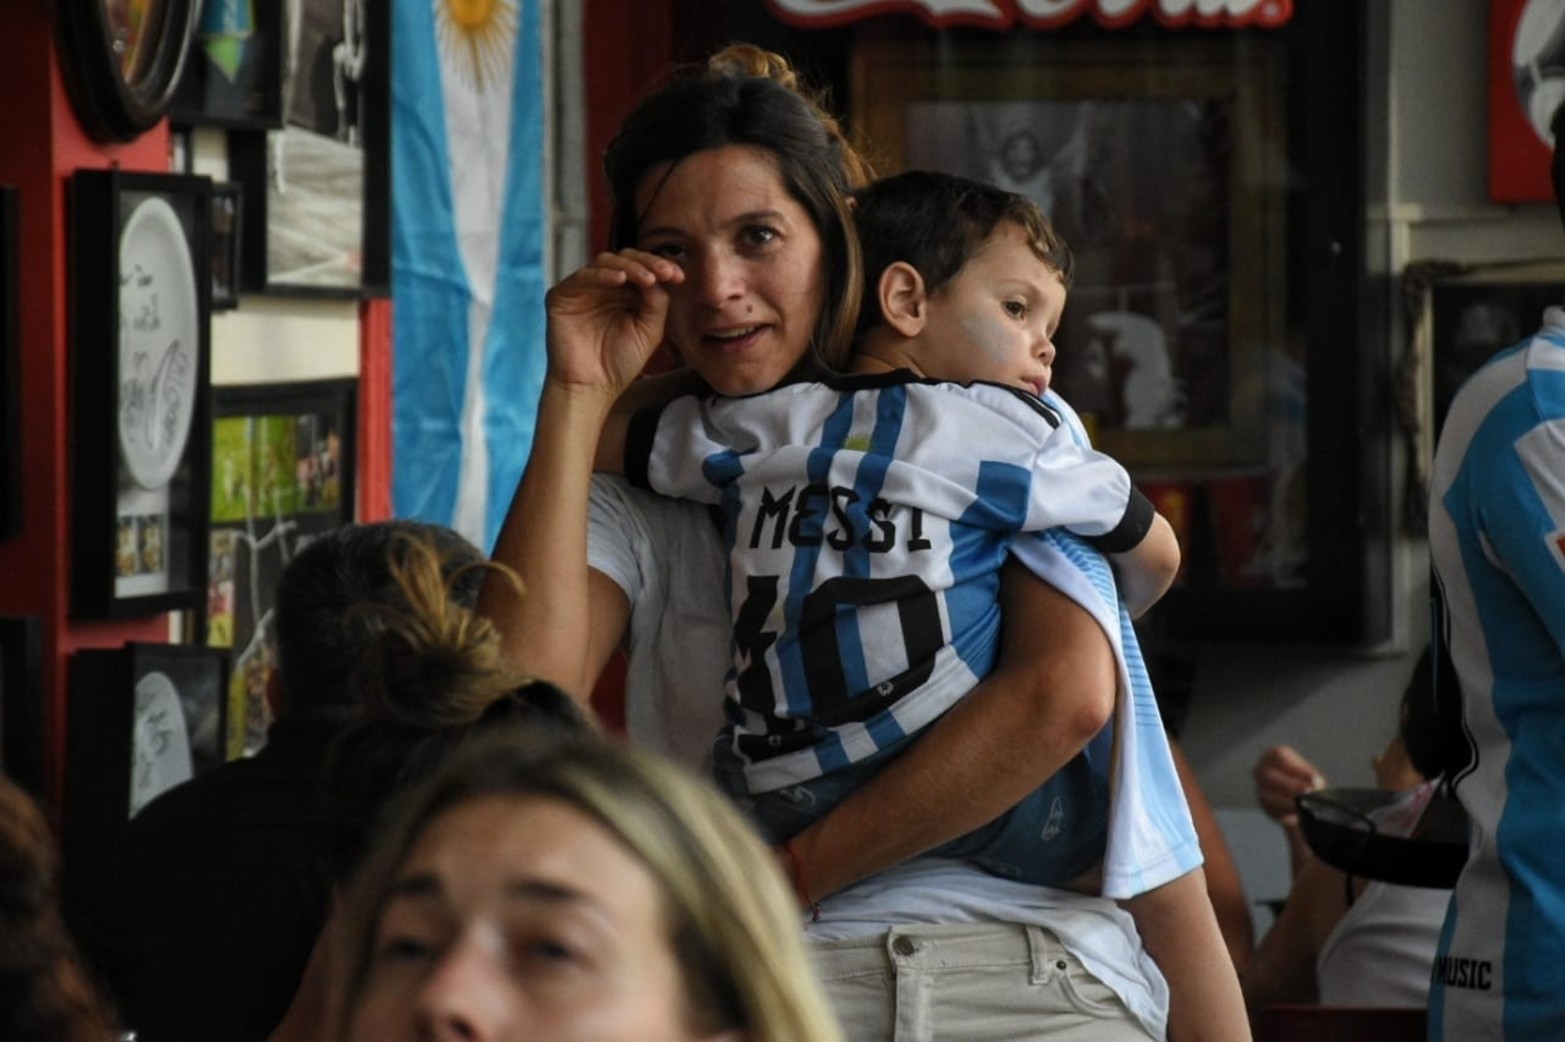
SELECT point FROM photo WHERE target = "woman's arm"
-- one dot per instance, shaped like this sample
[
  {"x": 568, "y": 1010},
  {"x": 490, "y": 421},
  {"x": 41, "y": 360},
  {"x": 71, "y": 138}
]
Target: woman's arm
[
  {"x": 604, "y": 322},
  {"x": 1223, "y": 885},
  {"x": 1052, "y": 692}
]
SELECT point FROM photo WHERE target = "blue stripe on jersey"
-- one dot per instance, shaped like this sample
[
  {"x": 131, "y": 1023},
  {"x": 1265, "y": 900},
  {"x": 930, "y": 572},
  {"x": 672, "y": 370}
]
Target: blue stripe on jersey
[
  {"x": 801, "y": 579},
  {"x": 977, "y": 551},
  {"x": 870, "y": 478}
]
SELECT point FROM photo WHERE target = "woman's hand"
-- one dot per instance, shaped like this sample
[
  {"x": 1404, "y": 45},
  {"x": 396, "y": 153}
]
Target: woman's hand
[{"x": 607, "y": 318}]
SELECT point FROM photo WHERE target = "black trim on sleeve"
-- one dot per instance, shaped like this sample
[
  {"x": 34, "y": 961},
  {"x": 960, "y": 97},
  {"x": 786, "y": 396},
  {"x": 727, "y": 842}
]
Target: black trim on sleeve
[
  {"x": 638, "y": 444},
  {"x": 1132, "y": 528}
]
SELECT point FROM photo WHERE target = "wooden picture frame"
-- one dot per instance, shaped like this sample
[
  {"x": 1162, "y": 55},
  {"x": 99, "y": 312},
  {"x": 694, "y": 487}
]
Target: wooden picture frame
[
  {"x": 227, "y": 257},
  {"x": 282, "y": 474},
  {"x": 22, "y": 700},
  {"x": 140, "y": 330},
  {"x": 1458, "y": 316},
  {"x": 331, "y": 157},
  {"x": 121, "y": 70},
  {"x": 141, "y": 719},
  {"x": 1175, "y": 293},
  {"x": 234, "y": 75},
  {"x": 10, "y": 366}
]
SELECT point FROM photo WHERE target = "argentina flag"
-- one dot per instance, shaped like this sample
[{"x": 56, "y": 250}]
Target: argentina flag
[{"x": 469, "y": 234}]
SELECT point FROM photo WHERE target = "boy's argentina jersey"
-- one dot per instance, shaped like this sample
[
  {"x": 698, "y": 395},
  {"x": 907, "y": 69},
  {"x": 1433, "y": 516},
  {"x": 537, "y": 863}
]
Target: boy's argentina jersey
[
  {"x": 1497, "y": 538},
  {"x": 867, "y": 521}
]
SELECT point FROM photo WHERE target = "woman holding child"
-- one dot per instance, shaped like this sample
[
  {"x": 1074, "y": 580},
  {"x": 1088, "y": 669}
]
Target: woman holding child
[{"x": 735, "y": 244}]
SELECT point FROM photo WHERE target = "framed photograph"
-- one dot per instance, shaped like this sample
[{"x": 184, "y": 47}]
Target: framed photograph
[
  {"x": 1162, "y": 175},
  {"x": 140, "y": 719},
  {"x": 234, "y": 74},
  {"x": 227, "y": 244},
  {"x": 282, "y": 475},
  {"x": 10, "y": 367},
  {"x": 1458, "y": 316},
  {"x": 123, "y": 59},
  {"x": 1526, "y": 85},
  {"x": 317, "y": 191},
  {"x": 21, "y": 700},
  {"x": 140, "y": 317}
]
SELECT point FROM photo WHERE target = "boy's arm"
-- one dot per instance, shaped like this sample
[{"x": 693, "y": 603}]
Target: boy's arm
[
  {"x": 1052, "y": 691},
  {"x": 1179, "y": 931},
  {"x": 1146, "y": 571}
]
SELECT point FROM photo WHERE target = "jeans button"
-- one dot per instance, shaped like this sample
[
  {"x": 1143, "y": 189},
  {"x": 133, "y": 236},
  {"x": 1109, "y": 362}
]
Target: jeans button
[{"x": 904, "y": 945}]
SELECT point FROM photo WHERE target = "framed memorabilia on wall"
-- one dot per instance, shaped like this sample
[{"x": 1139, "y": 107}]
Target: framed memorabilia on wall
[
  {"x": 282, "y": 474},
  {"x": 122, "y": 60},
  {"x": 234, "y": 74},
  {"x": 140, "y": 315},
  {"x": 1526, "y": 85},
  {"x": 1207, "y": 186},
  {"x": 10, "y": 368},
  {"x": 1159, "y": 183},
  {"x": 1459, "y": 315},
  {"x": 317, "y": 191},
  {"x": 227, "y": 244},
  {"x": 21, "y": 700},
  {"x": 140, "y": 719}
]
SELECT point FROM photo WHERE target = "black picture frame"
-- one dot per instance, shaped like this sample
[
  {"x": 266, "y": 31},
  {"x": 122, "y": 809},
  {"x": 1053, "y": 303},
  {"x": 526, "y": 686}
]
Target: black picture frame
[
  {"x": 120, "y": 81},
  {"x": 227, "y": 258},
  {"x": 332, "y": 156},
  {"x": 283, "y": 473},
  {"x": 22, "y": 700},
  {"x": 234, "y": 75},
  {"x": 10, "y": 366},
  {"x": 139, "y": 364},
  {"x": 140, "y": 719}
]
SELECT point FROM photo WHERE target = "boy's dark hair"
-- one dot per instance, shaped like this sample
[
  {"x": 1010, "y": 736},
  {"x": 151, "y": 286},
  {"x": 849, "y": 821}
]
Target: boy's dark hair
[
  {"x": 321, "y": 640},
  {"x": 936, "y": 222}
]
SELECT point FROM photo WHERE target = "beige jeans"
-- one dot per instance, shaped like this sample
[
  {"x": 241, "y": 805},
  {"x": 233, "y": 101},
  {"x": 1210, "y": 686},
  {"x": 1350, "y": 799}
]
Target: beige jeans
[{"x": 984, "y": 982}]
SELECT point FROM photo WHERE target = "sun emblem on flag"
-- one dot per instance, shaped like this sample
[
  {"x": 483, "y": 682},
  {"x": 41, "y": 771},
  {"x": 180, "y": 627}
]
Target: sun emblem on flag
[{"x": 477, "y": 37}]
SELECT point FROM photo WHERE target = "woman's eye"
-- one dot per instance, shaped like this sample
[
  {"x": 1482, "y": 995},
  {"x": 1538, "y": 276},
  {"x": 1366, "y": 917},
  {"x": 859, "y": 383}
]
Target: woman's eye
[
  {"x": 759, "y": 235},
  {"x": 403, "y": 949},
  {"x": 667, "y": 250},
  {"x": 548, "y": 951}
]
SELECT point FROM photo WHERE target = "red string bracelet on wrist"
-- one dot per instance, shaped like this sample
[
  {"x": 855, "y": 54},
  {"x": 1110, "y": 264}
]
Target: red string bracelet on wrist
[{"x": 798, "y": 882}]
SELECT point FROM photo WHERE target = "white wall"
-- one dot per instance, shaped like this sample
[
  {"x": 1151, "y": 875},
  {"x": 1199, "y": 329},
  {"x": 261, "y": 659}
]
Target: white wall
[{"x": 1427, "y": 125}]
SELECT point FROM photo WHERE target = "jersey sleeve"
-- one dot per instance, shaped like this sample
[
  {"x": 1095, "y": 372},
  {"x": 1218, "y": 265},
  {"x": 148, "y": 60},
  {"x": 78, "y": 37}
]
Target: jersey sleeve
[
  {"x": 667, "y": 446},
  {"x": 1087, "y": 493},
  {"x": 1523, "y": 517}
]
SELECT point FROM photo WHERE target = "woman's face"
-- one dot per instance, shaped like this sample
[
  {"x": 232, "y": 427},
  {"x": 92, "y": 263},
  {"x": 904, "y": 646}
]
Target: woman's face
[
  {"x": 753, "y": 261},
  {"x": 521, "y": 918}
]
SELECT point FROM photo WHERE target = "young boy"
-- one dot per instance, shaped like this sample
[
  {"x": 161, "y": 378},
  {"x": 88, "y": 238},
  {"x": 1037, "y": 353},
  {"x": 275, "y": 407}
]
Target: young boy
[{"x": 867, "y": 520}]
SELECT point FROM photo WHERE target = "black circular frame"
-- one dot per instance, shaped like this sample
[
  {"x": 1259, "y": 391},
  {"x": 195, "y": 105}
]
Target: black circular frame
[{"x": 112, "y": 107}]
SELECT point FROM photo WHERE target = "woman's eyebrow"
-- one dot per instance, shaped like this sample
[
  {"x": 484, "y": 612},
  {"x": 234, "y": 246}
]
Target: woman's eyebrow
[{"x": 749, "y": 217}]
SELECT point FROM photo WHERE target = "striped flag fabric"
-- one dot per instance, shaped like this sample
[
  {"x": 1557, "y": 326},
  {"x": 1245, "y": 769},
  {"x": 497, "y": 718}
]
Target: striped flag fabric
[{"x": 469, "y": 253}]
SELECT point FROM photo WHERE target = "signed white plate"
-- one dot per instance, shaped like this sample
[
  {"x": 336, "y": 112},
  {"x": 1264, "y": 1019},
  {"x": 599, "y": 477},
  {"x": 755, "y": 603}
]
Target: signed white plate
[{"x": 159, "y": 341}]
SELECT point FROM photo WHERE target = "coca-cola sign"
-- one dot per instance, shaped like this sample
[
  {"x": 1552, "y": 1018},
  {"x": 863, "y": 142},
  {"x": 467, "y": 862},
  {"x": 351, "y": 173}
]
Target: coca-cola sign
[{"x": 1041, "y": 14}]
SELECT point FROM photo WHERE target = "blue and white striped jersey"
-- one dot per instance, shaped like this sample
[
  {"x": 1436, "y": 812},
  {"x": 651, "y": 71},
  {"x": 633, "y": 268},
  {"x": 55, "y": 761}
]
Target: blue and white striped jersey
[
  {"x": 866, "y": 522},
  {"x": 1497, "y": 539},
  {"x": 1152, "y": 839}
]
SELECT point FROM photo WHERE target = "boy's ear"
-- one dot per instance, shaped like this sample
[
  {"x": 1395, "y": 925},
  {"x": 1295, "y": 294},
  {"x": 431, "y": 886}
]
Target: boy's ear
[{"x": 903, "y": 302}]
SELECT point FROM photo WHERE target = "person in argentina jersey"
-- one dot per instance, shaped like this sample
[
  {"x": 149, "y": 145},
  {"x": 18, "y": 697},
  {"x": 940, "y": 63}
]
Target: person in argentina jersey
[
  {"x": 873, "y": 512},
  {"x": 1497, "y": 540}
]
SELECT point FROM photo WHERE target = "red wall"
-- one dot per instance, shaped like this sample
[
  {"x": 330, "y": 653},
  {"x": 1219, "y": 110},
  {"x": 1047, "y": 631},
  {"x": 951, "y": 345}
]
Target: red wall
[{"x": 41, "y": 144}]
